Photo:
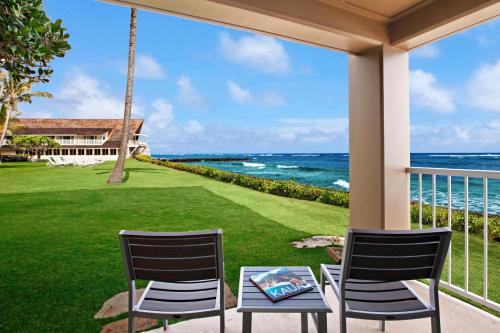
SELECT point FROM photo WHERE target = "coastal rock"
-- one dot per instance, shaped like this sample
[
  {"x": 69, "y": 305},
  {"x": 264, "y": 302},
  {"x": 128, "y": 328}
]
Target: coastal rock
[
  {"x": 116, "y": 305},
  {"x": 319, "y": 241},
  {"x": 121, "y": 326}
]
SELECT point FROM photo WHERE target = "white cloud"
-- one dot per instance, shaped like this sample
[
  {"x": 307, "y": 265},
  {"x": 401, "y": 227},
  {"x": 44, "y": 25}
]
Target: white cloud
[
  {"x": 258, "y": 52},
  {"x": 271, "y": 98},
  {"x": 147, "y": 67},
  {"x": 472, "y": 137},
  {"x": 425, "y": 92},
  {"x": 193, "y": 127},
  {"x": 83, "y": 96},
  {"x": 189, "y": 96},
  {"x": 429, "y": 51},
  {"x": 483, "y": 89},
  {"x": 313, "y": 130},
  {"x": 163, "y": 114},
  {"x": 266, "y": 98},
  {"x": 238, "y": 94}
]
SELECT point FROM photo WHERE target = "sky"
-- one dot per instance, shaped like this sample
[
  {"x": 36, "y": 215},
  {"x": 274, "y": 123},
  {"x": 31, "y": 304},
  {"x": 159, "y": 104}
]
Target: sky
[{"x": 203, "y": 88}]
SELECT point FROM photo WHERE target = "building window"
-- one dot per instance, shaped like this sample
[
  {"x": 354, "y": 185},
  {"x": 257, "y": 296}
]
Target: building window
[
  {"x": 105, "y": 151},
  {"x": 89, "y": 151},
  {"x": 57, "y": 151},
  {"x": 72, "y": 151},
  {"x": 97, "y": 152},
  {"x": 81, "y": 151},
  {"x": 64, "y": 152},
  {"x": 113, "y": 151},
  {"x": 48, "y": 152}
]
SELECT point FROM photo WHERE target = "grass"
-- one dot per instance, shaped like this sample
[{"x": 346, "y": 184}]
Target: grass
[{"x": 59, "y": 253}]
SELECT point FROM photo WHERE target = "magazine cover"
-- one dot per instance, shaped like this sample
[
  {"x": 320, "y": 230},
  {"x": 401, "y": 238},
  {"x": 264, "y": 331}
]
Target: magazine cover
[{"x": 280, "y": 283}]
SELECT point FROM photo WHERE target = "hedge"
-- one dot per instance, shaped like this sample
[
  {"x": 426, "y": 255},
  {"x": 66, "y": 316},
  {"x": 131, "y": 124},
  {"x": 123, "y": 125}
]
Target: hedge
[{"x": 291, "y": 189}]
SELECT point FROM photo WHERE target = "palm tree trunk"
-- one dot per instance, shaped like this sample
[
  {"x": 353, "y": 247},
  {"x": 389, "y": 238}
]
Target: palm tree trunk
[
  {"x": 117, "y": 175},
  {"x": 8, "y": 109}
]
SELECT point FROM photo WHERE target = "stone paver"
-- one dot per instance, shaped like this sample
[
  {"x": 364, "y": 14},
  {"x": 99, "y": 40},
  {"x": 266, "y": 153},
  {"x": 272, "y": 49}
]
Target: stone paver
[
  {"x": 318, "y": 241},
  {"x": 121, "y": 326},
  {"x": 116, "y": 305}
]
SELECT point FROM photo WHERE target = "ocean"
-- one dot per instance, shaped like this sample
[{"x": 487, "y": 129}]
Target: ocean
[{"x": 332, "y": 171}]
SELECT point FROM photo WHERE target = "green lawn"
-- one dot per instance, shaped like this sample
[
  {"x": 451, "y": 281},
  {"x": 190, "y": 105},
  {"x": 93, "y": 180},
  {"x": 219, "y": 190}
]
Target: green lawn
[{"x": 59, "y": 253}]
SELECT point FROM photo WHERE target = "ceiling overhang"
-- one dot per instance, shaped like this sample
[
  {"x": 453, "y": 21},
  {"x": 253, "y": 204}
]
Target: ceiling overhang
[{"x": 347, "y": 25}]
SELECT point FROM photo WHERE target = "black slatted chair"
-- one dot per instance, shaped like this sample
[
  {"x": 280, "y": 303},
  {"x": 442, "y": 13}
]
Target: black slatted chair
[
  {"x": 185, "y": 270},
  {"x": 370, "y": 283}
]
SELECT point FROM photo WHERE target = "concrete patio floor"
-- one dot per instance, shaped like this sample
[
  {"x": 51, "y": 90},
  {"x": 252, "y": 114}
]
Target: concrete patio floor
[{"x": 456, "y": 317}]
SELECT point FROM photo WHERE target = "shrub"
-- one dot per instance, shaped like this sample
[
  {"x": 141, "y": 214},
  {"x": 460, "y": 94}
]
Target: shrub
[
  {"x": 476, "y": 221},
  {"x": 291, "y": 189},
  {"x": 143, "y": 158}
]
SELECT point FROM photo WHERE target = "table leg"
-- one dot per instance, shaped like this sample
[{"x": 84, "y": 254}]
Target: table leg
[
  {"x": 247, "y": 322},
  {"x": 322, "y": 322},
  {"x": 303, "y": 322}
]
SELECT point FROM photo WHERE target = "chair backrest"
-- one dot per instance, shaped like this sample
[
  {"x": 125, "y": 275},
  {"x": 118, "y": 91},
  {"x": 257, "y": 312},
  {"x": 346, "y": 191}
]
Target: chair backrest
[
  {"x": 173, "y": 256},
  {"x": 395, "y": 255}
]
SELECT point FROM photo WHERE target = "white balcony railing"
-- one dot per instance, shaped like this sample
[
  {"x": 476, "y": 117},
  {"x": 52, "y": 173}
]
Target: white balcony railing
[
  {"x": 464, "y": 175},
  {"x": 137, "y": 142},
  {"x": 71, "y": 142}
]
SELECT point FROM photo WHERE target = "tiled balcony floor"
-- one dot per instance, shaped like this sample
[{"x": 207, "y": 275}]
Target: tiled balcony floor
[{"x": 456, "y": 317}]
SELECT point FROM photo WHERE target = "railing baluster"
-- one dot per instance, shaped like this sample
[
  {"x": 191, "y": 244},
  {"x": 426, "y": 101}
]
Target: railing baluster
[
  {"x": 449, "y": 226},
  {"x": 485, "y": 235},
  {"x": 450, "y": 173},
  {"x": 433, "y": 200},
  {"x": 466, "y": 230},
  {"x": 420, "y": 200}
]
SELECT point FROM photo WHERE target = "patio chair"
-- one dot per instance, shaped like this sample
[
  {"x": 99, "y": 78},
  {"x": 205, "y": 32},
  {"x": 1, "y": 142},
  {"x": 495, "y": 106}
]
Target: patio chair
[
  {"x": 185, "y": 272},
  {"x": 370, "y": 283}
]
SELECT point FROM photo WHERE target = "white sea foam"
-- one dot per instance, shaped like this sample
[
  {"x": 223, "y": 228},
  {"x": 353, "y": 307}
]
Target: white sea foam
[
  {"x": 266, "y": 155},
  {"x": 342, "y": 183},
  {"x": 305, "y": 155},
  {"x": 254, "y": 165},
  {"x": 279, "y": 166}
]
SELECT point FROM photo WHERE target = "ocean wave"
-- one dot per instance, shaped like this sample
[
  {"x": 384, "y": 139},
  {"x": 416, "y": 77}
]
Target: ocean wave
[
  {"x": 465, "y": 155},
  {"x": 279, "y": 166},
  {"x": 305, "y": 155},
  {"x": 342, "y": 183},
  {"x": 254, "y": 165}
]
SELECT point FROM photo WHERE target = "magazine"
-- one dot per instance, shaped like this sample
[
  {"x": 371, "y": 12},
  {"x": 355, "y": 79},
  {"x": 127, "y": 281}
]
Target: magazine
[{"x": 280, "y": 283}]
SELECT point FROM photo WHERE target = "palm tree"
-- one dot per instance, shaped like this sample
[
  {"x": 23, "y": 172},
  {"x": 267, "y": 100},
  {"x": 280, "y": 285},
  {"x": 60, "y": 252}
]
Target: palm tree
[
  {"x": 117, "y": 175},
  {"x": 15, "y": 91}
]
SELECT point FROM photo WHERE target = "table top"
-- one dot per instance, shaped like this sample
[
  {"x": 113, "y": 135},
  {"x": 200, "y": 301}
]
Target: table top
[{"x": 252, "y": 299}]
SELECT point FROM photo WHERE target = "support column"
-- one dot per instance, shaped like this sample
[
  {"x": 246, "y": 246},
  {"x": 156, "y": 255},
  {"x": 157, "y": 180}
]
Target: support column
[{"x": 379, "y": 139}]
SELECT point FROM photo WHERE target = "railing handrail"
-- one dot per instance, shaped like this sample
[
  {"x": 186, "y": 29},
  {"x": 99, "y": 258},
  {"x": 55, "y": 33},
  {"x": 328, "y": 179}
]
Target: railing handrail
[{"x": 455, "y": 172}]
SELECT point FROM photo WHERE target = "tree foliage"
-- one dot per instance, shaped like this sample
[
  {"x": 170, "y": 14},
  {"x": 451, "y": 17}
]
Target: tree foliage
[
  {"x": 34, "y": 143},
  {"x": 29, "y": 40}
]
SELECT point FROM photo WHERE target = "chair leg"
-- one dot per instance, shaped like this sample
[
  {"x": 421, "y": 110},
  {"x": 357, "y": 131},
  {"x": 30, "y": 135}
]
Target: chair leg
[
  {"x": 381, "y": 325},
  {"x": 323, "y": 285},
  {"x": 131, "y": 324},
  {"x": 342, "y": 319},
  {"x": 436, "y": 323},
  {"x": 222, "y": 322},
  {"x": 165, "y": 324}
]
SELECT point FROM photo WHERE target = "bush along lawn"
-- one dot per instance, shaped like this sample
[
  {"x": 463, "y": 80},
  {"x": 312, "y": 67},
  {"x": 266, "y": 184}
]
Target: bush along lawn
[{"x": 291, "y": 189}]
